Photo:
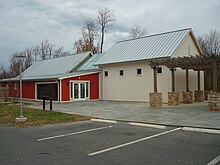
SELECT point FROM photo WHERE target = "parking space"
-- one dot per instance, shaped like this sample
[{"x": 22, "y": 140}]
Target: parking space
[{"x": 106, "y": 143}]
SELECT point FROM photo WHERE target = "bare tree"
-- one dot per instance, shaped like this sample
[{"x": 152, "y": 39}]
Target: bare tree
[
  {"x": 14, "y": 65},
  {"x": 46, "y": 50},
  {"x": 78, "y": 45},
  {"x": 89, "y": 37},
  {"x": 28, "y": 53},
  {"x": 14, "y": 68},
  {"x": 137, "y": 32},
  {"x": 105, "y": 19},
  {"x": 210, "y": 43},
  {"x": 89, "y": 33},
  {"x": 3, "y": 72}
]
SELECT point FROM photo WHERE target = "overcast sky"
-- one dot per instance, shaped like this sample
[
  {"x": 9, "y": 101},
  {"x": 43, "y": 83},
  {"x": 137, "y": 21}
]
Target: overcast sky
[{"x": 26, "y": 22}]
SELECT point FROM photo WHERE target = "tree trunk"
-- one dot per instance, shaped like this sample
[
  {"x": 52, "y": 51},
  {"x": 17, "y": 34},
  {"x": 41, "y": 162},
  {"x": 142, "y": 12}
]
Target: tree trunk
[{"x": 102, "y": 40}]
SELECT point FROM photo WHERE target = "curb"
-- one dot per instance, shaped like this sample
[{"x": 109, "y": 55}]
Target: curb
[
  {"x": 203, "y": 130},
  {"x": 148, "y": 125},
  {"x": 104, "y": 121}
]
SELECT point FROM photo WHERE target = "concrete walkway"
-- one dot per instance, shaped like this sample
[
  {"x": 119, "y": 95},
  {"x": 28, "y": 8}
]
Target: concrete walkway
[{"x": 194, "y": 115}]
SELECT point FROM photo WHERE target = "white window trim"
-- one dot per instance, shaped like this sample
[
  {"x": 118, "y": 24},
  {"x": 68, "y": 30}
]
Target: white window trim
[
  {"x": 139, "y": 75},
  {"x": 79, "y": 99},
  {"x": 36, "y": 83}
]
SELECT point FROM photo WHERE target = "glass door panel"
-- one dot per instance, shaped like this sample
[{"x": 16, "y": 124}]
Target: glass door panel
[
  {"x": 76, "y": 90},
  {"x": 79, "y": 90},
  {"x": 82, "y": 90}
]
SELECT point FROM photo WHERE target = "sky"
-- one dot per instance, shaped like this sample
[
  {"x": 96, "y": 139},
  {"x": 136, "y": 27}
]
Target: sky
[{"x": 25, "y": 23}]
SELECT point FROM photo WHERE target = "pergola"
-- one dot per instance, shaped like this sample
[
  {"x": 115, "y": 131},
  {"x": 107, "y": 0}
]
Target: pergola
[{"x": 197, "y": 63}]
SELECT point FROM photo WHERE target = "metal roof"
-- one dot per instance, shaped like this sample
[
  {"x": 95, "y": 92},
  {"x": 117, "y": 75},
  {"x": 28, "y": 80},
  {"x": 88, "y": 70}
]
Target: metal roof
[
  {"x": 53, "y": 67},
  {"x": 89, "y": 63},
  {"x": 148, "y": 47},
  {"x": 51, "y": 76}
]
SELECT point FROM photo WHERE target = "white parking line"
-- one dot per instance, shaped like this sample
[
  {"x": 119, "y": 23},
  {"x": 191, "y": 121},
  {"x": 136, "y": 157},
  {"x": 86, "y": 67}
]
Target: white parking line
[
  {"x": 133, "y": 142},
  {"x": 74, "y": 133},
  {"x": 214, "y": 161}
]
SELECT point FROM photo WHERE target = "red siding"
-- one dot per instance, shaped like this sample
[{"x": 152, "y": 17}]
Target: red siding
[
  {"x": 94, "y": 86},
  {"x": 28, "y": 90}
]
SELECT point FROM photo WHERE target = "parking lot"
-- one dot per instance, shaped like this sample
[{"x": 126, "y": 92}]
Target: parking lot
[{"x": 106, "y": 143}]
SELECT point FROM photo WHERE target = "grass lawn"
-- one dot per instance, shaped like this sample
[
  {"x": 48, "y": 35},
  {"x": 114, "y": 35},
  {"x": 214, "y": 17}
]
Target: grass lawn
[{"x": 9, "y": 111}]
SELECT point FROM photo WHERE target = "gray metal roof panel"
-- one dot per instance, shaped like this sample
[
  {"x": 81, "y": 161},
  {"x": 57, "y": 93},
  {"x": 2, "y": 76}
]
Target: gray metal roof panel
[
  {"x": 152, "y": 46},
  {"x": 54, "y": 66},
  {"x": 89, "y": 64}
]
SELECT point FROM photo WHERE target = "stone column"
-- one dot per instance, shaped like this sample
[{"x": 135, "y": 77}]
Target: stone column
[
  {"x": 187, "y": 97},
  {"x": 199, "y": 95},
  {"x": 173, "y": 98},
  {"x": 214, "y": 102},
  {"x": 155, "y": 100}
]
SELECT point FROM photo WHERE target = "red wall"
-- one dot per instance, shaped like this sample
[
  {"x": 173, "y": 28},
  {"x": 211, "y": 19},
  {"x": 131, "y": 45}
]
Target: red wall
[
  {"x": 94, "y": 86},
  {"x": 28, "y": 89}
]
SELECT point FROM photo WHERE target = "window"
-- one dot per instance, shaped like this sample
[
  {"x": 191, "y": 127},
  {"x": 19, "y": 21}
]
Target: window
[
  {"x": 138, "y": 71},
  {"x": 106, "y": 73},
  {"x": 121, "y": 72},
  {"x": 159, "y": 70}
]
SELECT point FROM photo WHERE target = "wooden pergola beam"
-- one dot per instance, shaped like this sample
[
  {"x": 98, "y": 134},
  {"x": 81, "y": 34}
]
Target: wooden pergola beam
[
  {"x": 155, "y": 79},
  {"x": 198, "y": 79},
  {"x": 214, "y": 72},
  {"x": 187, "y": 79},
  {"x": 173, "y": 86}
]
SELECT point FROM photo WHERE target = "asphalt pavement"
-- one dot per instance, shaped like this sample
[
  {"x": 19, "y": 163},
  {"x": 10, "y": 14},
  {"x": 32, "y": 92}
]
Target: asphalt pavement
[{"x": 106, "y": 143}]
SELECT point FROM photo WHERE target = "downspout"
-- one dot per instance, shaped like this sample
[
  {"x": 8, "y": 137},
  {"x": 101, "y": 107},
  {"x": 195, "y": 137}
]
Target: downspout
[
  {"x": 101, "y": 84},
  {"x": 60, "y": 91}
]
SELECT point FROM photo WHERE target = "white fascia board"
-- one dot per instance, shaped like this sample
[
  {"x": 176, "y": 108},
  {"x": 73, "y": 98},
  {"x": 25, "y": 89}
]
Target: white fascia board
[{"x": 82, "y": 74}]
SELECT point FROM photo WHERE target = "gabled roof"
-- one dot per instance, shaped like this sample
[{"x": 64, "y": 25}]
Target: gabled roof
[
  {"x": 55, "y": 66},
  {"x": 60, "y": 68},
  {"x": 148, "y": 47}
]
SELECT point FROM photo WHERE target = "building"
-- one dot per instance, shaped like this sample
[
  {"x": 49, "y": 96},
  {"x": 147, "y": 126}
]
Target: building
[
  {"x": 123, "y": 73},
  {"x": 63, "y": 79},
  {"x": 128, "y": 76}
]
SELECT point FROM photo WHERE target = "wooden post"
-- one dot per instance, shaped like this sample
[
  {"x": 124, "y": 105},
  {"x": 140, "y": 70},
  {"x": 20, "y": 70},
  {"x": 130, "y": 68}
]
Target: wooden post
[
  {"x": 187, "y": 79},
  {"x": 198, "y": 77},
  {"x": 214, "y": 76},
  {"x": 155, "y": 79},
  {"x": 173, "y": 79}
]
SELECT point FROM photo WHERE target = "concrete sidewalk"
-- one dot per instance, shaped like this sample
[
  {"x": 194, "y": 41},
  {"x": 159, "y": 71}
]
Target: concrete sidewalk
[{"x": 193, "y": 115}]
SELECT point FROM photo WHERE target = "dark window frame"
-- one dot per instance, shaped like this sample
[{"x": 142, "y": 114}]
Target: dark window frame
[
  {"x": 121, "y": 72},
  {"x": 106, "y": 73},
  {"x": 139, "y": 71},
  {"x": 160, "y": 70}
]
